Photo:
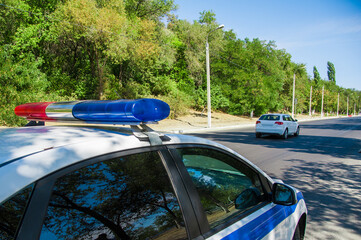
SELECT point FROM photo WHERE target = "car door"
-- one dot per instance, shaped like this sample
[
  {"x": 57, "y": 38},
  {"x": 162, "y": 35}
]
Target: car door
[
  {"x": 294, "y": 124},
  {"x": 230, "y": 196},
  {"x": 290, "y": 124},
  {"x": 135, "y": 194}
]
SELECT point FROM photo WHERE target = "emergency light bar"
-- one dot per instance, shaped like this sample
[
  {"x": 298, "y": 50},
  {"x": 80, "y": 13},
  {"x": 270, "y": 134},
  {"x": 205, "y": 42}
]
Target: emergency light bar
[{"x": 124, "y": 112}]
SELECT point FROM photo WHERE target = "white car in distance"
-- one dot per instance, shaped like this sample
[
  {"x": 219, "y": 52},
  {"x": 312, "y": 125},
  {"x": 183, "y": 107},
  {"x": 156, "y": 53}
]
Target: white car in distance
[{"x": 277, "y": 124}]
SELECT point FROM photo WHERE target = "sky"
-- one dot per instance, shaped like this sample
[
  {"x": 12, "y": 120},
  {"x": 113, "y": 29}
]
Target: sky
[{"x": 312, "y": 31}]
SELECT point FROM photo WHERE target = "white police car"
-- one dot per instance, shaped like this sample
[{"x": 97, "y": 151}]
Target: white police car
[{"x": 99, "y": 182}]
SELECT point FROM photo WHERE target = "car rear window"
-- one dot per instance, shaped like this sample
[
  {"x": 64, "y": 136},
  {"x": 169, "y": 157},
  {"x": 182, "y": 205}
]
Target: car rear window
[{"x": 270, "y": 117}]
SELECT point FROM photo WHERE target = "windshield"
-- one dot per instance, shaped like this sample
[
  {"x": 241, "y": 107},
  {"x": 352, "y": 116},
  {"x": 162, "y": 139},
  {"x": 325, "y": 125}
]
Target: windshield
[{"x": 270, "y": 117}]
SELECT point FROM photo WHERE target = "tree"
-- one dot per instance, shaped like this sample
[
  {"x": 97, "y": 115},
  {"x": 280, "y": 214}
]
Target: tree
[
  {"x": 21, "y": 81},
  {"x": 331, "y": 72},
  {"x": 110, "y": 49},
  {"x": 92, "y": 34},
  {"x": 207, "y": 17},
  {"x": 148, "y": 9},
  {"x": 316, "y": 75}
]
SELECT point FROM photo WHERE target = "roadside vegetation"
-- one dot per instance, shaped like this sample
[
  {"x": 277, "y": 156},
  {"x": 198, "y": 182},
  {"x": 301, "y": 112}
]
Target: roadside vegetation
[{"x": 96, "y": 49}]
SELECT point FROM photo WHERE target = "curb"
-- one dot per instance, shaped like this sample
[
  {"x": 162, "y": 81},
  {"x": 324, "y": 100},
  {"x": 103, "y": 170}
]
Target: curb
[{"x": 211, "y": 129}]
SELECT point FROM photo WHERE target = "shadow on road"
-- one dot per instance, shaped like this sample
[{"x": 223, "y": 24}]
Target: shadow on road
[
  {"x": 332, "y": 192},
  {"x": 334, "y": 146},
  {"x": 342, "y": 123}
]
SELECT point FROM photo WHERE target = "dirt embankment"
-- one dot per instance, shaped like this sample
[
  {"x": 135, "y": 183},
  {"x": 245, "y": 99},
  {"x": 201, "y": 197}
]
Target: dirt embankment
[{"x": 199, "y": 120}]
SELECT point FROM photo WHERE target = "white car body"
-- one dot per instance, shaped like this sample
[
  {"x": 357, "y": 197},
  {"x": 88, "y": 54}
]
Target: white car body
[
  {"x": 32, "y": 154},
  {"x": 277, "y": 124},
  {"x": 100, "y": 182}
]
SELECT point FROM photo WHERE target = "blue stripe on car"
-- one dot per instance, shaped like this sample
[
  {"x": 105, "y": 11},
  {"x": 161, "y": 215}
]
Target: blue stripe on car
[{"x": 265, "y": 223}]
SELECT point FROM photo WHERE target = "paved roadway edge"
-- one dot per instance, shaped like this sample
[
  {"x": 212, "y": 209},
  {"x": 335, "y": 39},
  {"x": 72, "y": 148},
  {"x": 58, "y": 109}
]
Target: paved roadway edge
[{"x": 248, "y": 125}]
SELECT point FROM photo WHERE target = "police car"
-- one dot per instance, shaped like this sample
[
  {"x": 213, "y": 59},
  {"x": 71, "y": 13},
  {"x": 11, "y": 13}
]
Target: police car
[{"x": 116, "y": 182}]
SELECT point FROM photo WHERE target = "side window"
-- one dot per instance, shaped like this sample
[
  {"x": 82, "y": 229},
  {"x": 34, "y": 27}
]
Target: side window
[
  {"x": 128, "y": 197},
  {"x": 226, "y": 186},
  {"x": 275, "y": 118},
  {"x": 11, "y": 213}
]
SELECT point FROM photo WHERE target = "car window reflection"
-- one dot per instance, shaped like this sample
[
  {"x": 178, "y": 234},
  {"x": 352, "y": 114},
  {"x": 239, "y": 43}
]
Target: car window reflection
[
  {"x": 220, "y": 180},
  {"x": 124, "y": 198},
  {"x": 11, "y": 213}
]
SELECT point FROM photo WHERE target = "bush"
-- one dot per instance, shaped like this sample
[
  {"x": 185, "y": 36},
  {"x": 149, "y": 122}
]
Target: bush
[
  {"x": 179, "y": 103},
  {"x": 21, "y": 82}
]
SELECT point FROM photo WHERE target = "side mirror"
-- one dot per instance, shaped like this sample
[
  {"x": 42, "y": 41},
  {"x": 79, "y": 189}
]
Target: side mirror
[
  {"x": 283, "y": 194},
  {"x": 296, "y": 120},
  {"x": 247, "y": 198}
]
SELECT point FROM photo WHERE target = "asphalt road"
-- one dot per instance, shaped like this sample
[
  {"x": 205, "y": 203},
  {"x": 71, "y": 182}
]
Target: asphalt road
[{"x": 323, "y": 162}]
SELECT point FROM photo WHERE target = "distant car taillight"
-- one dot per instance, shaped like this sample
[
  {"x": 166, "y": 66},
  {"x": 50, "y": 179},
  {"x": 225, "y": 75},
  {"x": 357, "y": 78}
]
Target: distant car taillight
[
  {"x": 279, "y": 123},
  {"x": 258, "y": 122}
]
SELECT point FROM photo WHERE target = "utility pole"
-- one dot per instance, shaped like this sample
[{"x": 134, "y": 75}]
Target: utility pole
[
  {"x": 310, "y": 102},
  {"x": 209, "y": 78},
  {"x": 293, "y": 95},
  {"x": 354, "y": 110},
  {"x": 338, "y": 102},
  {"x": 347, "y": 107},
  {"x": 208, "y": 86},
  {"x": 294, "y": 90},
  {"x": 323, "y": 88}
]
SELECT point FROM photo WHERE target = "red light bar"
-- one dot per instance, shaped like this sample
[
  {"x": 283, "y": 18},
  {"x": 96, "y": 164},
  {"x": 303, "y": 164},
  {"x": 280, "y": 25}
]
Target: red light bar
[{"x": 33, "y": 111}]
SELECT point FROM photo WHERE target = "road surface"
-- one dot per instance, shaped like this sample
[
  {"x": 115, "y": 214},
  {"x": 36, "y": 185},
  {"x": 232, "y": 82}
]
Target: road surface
[{"x": 323, "y": 162}]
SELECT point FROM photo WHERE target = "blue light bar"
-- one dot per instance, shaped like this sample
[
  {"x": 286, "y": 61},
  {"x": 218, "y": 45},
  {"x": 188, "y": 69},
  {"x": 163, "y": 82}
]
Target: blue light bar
[
  {"x": 142, "y": 110},
  {"x": 104, "y": 111}
]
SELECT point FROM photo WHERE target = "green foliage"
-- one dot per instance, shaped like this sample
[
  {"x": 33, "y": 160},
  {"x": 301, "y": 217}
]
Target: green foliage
[
  {"x": 97, "y": 49},
  {"x": 331, "y": 72},
  {"x": 21, "y": 82},
  {"x": 179, "y": 103},
  {"x": 153, "y": 9},
  {"x": 316, "y": 75},
  {"x": 218, "y": 100},
  {"x": 207, "y": 17}
]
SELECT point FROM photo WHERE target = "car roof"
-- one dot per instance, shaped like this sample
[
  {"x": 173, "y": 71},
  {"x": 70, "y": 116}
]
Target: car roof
[
  {"x": 30, "y": 153},
  {"x": 275, "y": 114},
  {"x": 280, "y": 114},
  {"x": 23, "y": 142}
]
